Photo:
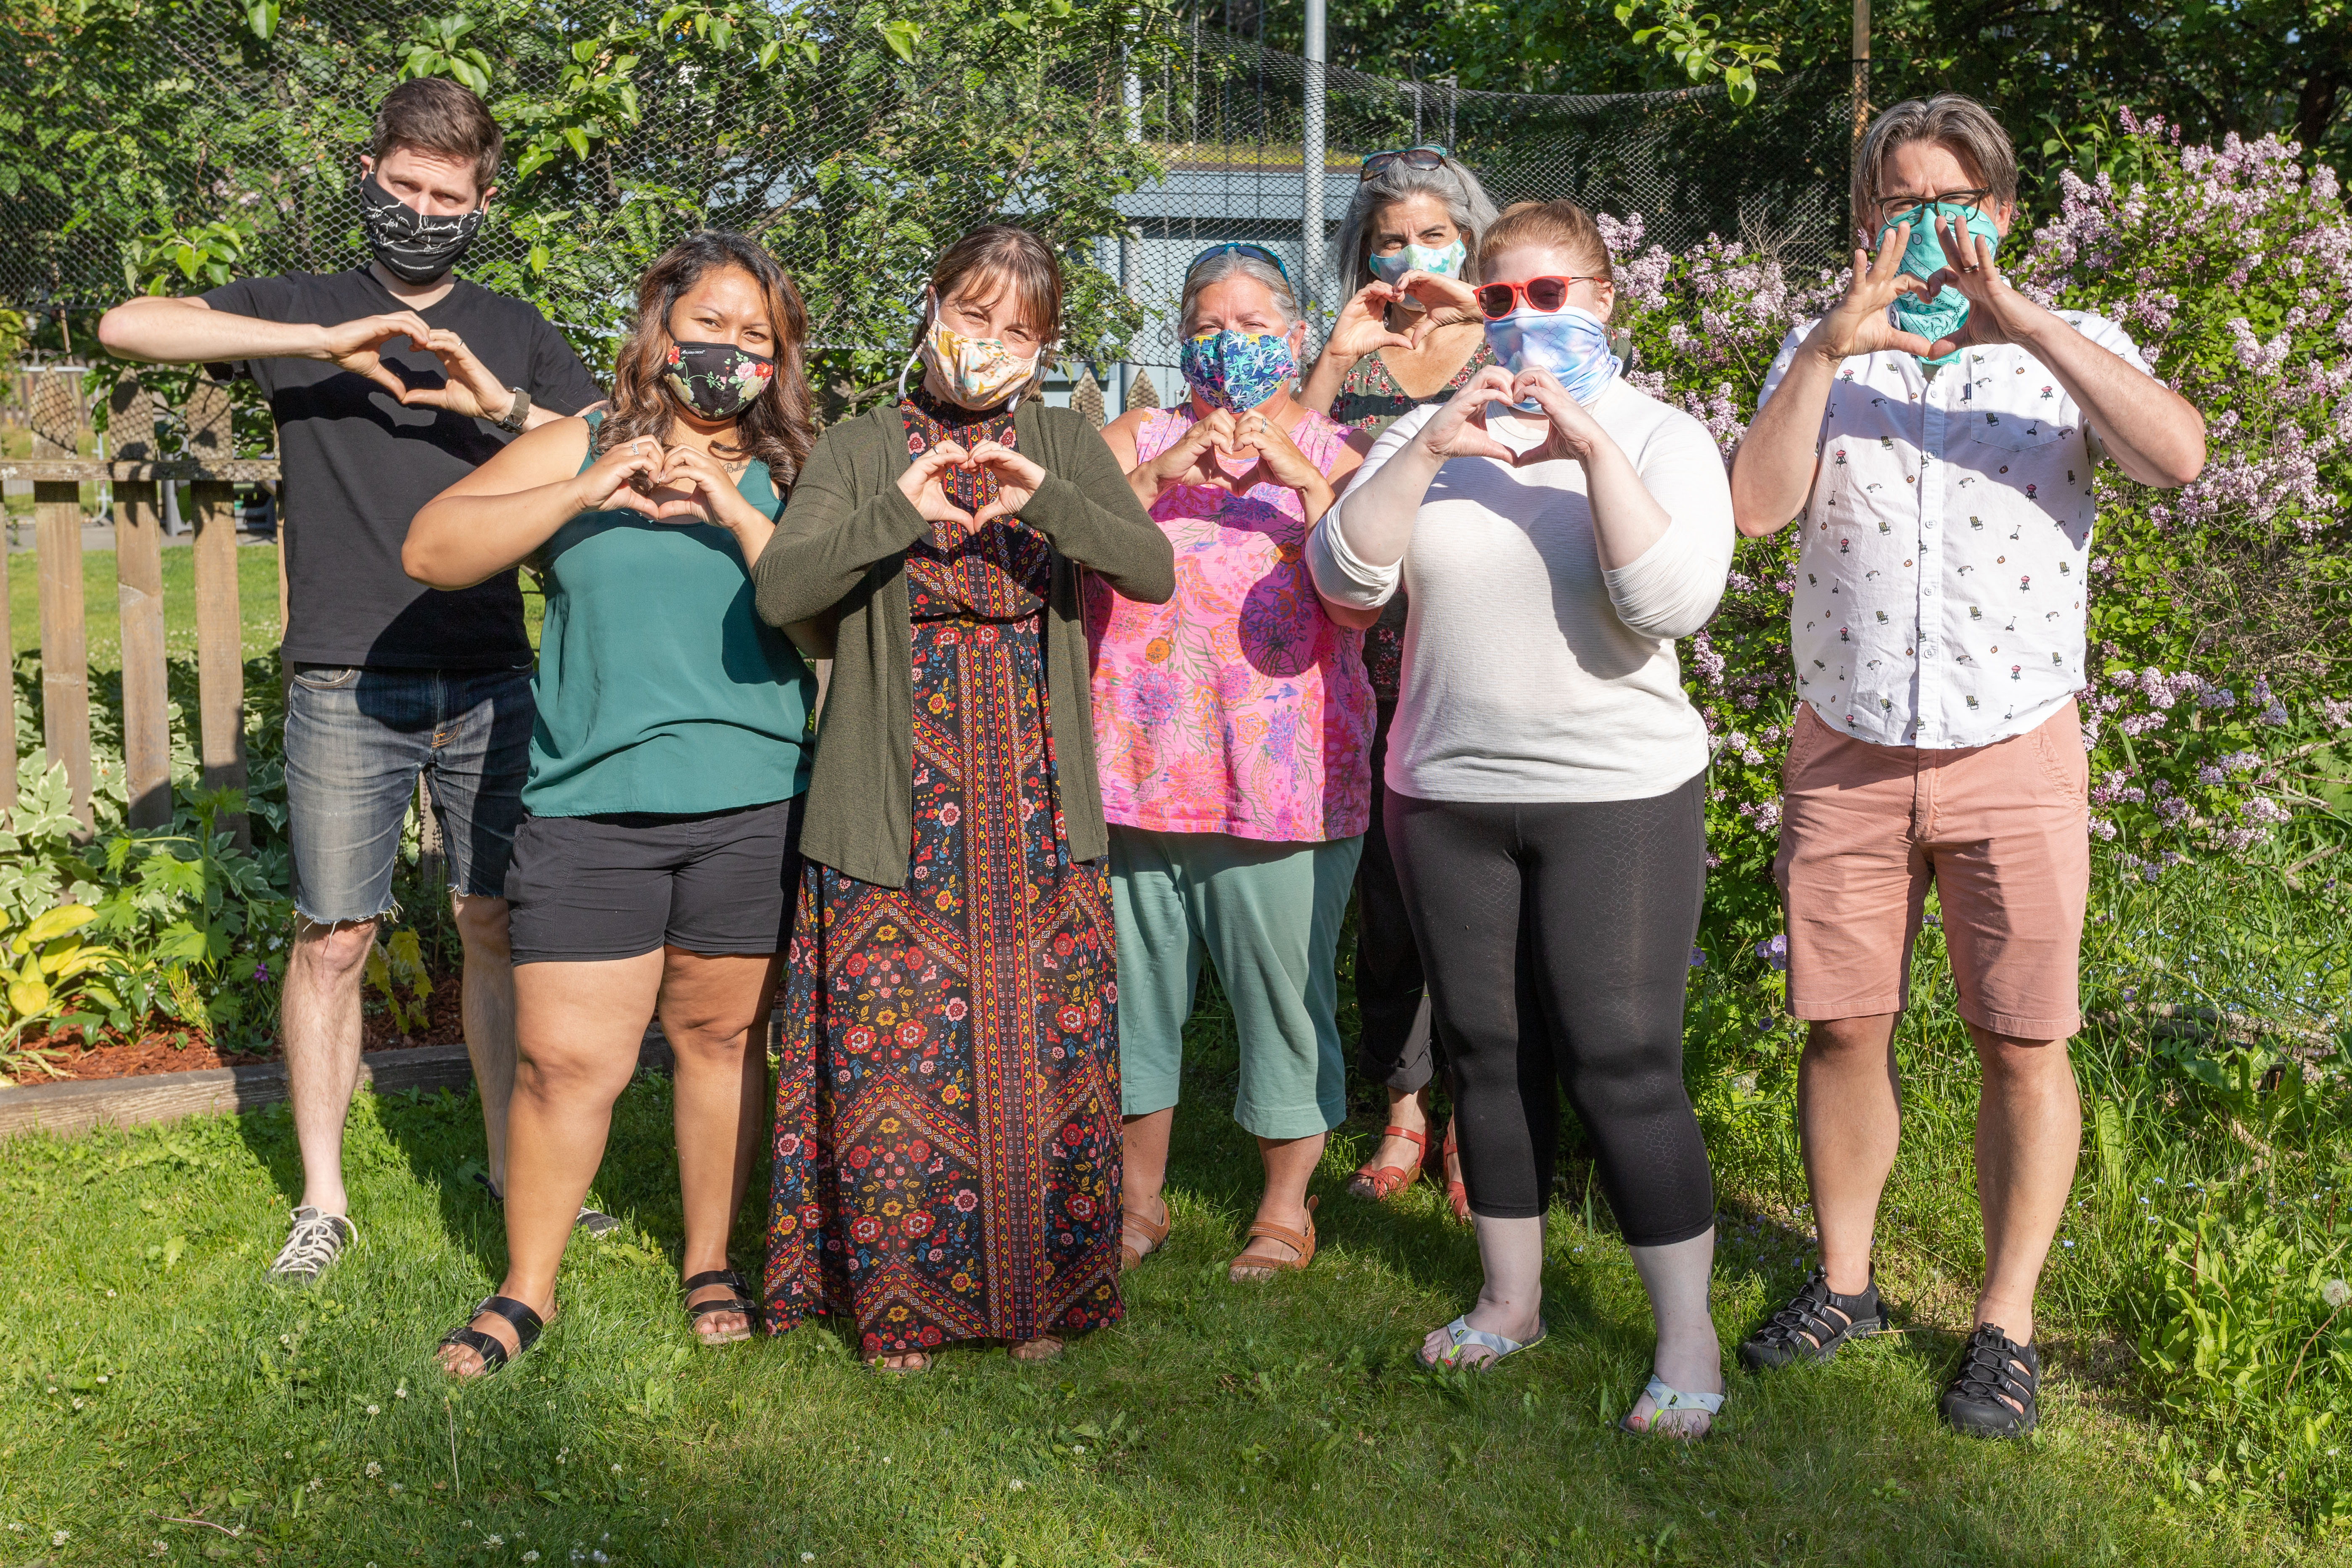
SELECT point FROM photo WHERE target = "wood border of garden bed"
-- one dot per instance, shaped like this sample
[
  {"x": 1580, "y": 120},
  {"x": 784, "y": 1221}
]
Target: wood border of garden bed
[{"x": 79, "y": 1104}]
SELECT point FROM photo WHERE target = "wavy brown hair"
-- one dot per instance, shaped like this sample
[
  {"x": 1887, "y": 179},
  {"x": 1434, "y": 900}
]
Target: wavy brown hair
[
  {"x": 1014, "y": 259},
  {"x": 777, "y": 426}
]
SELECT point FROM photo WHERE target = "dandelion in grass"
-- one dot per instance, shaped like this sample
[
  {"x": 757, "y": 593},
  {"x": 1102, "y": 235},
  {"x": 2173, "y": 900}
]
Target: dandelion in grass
[
  {"x": 495, "y": 1540},
  {"x": 375, "y": 1410},
  {"x": 2335, "y": 1292},
  {"x": 1016, "y": 1486},
  {"x": 372, "y": 1470},
  {"x": 58, "y": 1538}
]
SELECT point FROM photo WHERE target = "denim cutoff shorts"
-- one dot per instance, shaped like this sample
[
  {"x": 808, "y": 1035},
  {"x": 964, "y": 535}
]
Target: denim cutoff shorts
[{"x": 356, "y": 739}]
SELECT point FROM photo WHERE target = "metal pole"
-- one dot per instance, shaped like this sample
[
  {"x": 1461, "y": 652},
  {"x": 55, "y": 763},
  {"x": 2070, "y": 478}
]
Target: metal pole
[
  {"x": 1311, "y": 229},
  {"x": 1861, "y": 69},
  {"x": 1132, "y": 96}
]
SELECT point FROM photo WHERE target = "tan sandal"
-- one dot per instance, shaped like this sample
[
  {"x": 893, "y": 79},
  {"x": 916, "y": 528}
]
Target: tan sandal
[
  {"x": 1245, "y": 1269},
  {"x": 1153, "y": 1231}
]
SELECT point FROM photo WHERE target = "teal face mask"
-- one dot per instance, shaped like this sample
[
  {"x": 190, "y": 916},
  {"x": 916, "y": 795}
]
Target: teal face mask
[{"x": 1923, "y": 257}]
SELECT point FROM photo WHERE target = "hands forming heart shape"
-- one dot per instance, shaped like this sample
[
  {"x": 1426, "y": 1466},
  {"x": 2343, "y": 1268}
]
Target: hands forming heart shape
[
  {"x": 672, "y": 484},
  {"x": 1234, "y": 453},
  {"x": 1459, "y": 430},
  {"x": 1017, "y": 479}
]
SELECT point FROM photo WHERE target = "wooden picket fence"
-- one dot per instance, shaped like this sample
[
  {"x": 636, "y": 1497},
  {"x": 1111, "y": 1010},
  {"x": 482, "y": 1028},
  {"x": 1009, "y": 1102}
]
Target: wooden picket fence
[{"x": 136, "y": 473}]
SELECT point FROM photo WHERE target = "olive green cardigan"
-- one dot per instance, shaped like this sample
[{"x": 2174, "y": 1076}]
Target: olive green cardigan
[{"x": 843, "y": 541}]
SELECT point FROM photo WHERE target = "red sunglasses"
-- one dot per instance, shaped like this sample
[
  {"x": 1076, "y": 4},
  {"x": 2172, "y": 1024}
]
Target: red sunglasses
[{"x": 1544, "y": 294}]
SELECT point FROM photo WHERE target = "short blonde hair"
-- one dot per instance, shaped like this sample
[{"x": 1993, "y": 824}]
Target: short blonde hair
[
  {"x": 1557, "y": 226},
  {"x": 1957, "y": 124}
]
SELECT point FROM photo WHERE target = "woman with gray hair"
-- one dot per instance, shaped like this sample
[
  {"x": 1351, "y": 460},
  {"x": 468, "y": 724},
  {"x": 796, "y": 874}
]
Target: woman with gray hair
[
  {"x": 1231, "y": 730},
  {"x": 1418, "y": 214}
]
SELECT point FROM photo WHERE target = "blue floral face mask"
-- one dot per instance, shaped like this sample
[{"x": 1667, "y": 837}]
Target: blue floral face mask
[
  {"x": 1923, "y": 257},
  {"x": 1442, "y": 263},
  {"x": 1571, "y": 343},
  {"x": 1235, "y": 371}
]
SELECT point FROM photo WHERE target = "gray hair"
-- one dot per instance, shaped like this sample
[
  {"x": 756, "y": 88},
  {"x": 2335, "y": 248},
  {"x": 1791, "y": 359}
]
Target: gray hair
[
  {"x": 1219, "y": 266},
  {"x": 1957, "y": 124},
  {"x": 1467, "y": 202}
]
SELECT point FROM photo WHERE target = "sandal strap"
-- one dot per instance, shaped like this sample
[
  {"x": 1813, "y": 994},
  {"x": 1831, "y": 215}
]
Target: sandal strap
[
  {"x": 1154, "y": 1231},
  {"x": 527, "y": 1323},
  {"x": 697, "y": 1310},
  {"x": 1664, "y": 1398},
  {"x": 727, "y": 1276},
  {"x": 1300, "y": 1242},
  {"x": 1464, "y": 1336},
  {"x": 467, "y": 1337},
  {"x": 1807, "y": 1315},
  {"x": 1418, "y": 1140},
  {"x": 1989, "y": 1368}
]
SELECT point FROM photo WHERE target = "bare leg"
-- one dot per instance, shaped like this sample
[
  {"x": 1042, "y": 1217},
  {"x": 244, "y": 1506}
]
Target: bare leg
[
  {"x": 2029, "y": 1125},
  {"x": 1290, "y": 1165},
  {"x": 1144, "y": 1150},
  {"x": 715, "y": 1012},
  {"x": 1510, "y": 1294},
  {"x": 319, "y": 1023},
  {"x": 579, "y": 1025},
  {"x": 487, "y": 1004},
  {"x": 1849, "y": 1120},
  {"x": 1689, "y": 1357}
]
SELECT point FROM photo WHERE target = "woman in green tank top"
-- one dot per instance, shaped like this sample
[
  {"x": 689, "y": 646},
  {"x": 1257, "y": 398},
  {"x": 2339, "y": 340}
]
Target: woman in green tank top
[{"x": 652, "y": 874}]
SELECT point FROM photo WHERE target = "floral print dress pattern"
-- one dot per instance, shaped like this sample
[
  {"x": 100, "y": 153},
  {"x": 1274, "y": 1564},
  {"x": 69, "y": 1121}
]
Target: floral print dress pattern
[
  {"x": 1370, "y": 397},
  {"x": 1239, "y": 706},
  {"x": 946, "y": 1144}
]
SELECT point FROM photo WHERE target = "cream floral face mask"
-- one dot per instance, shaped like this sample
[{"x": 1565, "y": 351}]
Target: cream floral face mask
[{"x": 977, "y": 372}]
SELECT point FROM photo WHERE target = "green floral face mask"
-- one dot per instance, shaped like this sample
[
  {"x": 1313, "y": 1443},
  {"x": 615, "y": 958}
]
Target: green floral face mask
[{"x": 718, "y": 381}]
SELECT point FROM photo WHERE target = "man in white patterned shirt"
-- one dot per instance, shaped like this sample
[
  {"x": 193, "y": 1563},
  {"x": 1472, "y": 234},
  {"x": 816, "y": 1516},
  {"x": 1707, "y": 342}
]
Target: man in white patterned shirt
[{"x": 1933, "y": 436}]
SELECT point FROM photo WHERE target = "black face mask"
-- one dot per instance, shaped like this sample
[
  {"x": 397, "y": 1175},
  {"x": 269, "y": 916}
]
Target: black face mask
[
  {"x": 413, "y": 248},
  {"x": 718, "y": 381}
]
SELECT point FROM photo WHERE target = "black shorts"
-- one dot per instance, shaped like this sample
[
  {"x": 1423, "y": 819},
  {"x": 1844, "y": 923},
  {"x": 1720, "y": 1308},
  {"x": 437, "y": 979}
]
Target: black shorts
[{"x": 590, "y": 889}]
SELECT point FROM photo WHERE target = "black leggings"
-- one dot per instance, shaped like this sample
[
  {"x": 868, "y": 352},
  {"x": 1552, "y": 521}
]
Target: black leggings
[
  {"x": 1393, "y": 1049},
  {"x": 1558, "y": 940}
]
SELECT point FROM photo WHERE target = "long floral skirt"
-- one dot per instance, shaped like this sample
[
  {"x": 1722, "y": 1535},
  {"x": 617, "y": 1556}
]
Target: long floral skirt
[{"x": 946, "y": 1120}]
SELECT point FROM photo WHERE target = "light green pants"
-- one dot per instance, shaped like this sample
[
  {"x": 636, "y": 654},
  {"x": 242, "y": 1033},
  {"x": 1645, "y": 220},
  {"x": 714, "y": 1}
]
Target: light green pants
[{"x": 1268, "y": 916}]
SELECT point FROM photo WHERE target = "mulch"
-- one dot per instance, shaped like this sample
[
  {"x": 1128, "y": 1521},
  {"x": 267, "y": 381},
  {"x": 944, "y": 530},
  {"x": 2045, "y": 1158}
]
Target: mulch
[{"x": 171, "y": 1047}]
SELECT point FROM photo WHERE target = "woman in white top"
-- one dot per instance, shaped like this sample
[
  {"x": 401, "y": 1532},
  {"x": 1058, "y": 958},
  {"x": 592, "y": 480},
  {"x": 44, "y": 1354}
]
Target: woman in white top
[{"x": 1555, "y": 531}]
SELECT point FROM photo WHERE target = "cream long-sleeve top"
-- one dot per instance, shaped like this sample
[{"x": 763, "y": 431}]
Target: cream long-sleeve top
[{"x": 1531, "y": 673}]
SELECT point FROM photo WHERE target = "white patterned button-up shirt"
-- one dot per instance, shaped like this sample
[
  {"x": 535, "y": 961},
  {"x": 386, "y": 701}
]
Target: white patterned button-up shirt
[{"x": 1939, "y": 590}]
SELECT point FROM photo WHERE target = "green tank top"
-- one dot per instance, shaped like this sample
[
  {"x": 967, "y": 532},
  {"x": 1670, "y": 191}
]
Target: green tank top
[{"x": 659, "y": 689}]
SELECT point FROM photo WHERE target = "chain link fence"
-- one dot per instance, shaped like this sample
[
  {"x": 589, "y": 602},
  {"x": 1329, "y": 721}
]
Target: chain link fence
[{"x": 189, "y": 147}]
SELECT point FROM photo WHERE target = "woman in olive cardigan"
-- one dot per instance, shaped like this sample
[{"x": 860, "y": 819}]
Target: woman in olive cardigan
[{"x": 947, "y": 1119}]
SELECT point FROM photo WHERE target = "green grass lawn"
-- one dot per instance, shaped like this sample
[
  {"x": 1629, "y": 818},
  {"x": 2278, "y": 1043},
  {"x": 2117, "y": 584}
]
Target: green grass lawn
[{"x": 152, "y": 1377}]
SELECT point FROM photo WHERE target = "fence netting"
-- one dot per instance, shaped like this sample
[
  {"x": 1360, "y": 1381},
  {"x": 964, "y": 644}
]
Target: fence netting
[{"x": 180, "y": 143}]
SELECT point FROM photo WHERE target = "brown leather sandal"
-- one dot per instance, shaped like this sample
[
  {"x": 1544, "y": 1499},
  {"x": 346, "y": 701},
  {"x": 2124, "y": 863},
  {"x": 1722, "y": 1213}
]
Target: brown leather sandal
[
  {"x": 1154, "y": 1232},
  {"x": 1382, "y": 1182},
  {"x": 1247, "y": 1270}
]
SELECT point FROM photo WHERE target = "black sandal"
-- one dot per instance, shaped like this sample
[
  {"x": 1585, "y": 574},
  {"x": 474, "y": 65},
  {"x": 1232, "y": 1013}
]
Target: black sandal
[
  {"x": 1977, "y": 1403},
  {"x": 526, "y": 1326},
  {"x": 1808, "y": 1329},
  {"x": 697, "y": 1310}
]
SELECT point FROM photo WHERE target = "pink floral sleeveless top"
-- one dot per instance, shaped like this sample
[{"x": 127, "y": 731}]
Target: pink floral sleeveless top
[{"x": 1238, "y": 705}]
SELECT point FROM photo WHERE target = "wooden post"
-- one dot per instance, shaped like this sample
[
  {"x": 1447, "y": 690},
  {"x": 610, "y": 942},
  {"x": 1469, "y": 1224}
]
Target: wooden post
[
  {"x": 1861, "y": 79},
  {"x": 139, "y": 593},
  {"x": 65, "y": 655},
  {"x": 220, "y": 653}
]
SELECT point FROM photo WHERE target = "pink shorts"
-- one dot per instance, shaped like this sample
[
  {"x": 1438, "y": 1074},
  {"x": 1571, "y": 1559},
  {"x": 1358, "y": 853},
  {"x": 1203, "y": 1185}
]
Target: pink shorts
[{"x": 2002, "y": 830}]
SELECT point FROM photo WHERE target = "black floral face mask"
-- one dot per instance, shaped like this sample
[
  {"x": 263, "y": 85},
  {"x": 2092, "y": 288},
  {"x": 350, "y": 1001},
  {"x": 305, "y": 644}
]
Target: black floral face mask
[
  {"x": 413, "y": 248},
  {"x": 718, "y": 381}
]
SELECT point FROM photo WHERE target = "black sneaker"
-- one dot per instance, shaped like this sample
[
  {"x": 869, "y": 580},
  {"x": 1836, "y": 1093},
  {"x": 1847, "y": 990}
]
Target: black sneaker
[
  {"x": 1977, "y": 1403},
  {"x": 1813, "y": 1325}
]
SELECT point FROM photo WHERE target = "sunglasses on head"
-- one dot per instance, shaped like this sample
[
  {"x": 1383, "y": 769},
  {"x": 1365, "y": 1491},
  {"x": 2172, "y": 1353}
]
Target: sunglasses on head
[
  {"x": 1428, "y": 155},
  {"x": 1247, "y": 248},
  {"x": 1547, "y": 294}
]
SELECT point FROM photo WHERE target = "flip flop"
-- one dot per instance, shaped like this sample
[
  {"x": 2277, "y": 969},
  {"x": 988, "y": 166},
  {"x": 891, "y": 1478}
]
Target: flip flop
[
  {"x": 1665, "y": 1399},
  {"x": 1464, "y": 1337}
]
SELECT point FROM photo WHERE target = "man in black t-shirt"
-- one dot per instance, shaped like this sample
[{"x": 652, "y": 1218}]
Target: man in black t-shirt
[{"x": 389, "y": 383}]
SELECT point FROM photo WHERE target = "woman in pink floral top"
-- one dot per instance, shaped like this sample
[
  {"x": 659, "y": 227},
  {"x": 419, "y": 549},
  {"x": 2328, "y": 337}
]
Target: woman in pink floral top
[{"x": 1232, "y": 727}]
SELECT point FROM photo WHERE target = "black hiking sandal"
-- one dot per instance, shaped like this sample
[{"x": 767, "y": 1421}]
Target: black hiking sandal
[
  {"x": 1975, "y": 1405},
  {"x": 1815, "y": 1323},
  {"x": 697, "y": 1310},
  {"x": 527, "y": 1327}
]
